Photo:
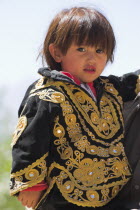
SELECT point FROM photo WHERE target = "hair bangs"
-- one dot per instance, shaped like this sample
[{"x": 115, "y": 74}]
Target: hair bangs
[
  {"x": 92, "y": 37},
  {"x": 80, "y": 26},
  {"x": 83, "y": 29}
]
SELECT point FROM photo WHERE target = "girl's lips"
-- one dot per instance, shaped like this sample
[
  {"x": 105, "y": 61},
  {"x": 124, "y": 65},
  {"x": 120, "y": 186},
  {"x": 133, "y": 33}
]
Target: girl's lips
[{"x": 90, "y": 69}]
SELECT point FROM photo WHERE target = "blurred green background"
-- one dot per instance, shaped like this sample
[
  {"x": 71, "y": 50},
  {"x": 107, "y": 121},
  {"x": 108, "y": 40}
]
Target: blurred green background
[{"x": 6, "y": 128}]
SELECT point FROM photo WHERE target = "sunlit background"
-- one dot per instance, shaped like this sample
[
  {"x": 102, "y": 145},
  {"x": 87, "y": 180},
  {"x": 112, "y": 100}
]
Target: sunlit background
[{"x": 23, "y": 25}]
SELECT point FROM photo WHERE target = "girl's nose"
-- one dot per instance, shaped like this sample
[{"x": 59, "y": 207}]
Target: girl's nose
[{"x": 91, "y": 56}]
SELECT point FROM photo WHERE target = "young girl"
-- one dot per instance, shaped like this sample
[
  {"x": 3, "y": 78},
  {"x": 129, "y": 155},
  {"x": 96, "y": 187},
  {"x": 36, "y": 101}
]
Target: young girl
[{"x": 68, "y": 145}]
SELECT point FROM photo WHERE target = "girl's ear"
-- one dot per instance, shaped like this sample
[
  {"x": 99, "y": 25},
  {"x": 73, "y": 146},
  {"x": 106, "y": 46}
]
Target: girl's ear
[{"x": 55, "y": 53}]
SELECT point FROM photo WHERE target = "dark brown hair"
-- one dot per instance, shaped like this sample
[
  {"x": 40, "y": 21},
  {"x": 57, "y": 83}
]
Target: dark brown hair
[{"x": 79, "y": 25}]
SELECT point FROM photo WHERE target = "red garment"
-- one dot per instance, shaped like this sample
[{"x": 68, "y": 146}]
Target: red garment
[
  {"x": 43, "y": 185},
  {"x": 38, "y": 187},
  {"x": 78, "y": 82}
]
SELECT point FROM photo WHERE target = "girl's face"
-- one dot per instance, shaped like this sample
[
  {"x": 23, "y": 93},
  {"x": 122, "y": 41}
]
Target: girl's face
[{"x": 84, "y": 62}]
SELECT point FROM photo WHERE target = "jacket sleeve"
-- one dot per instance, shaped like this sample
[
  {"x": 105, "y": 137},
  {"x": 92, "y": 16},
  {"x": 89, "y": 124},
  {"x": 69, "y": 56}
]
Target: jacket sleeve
[
  {"x": 130, "y": 194},
  {"x": 30, "y": 144},
  {"x": 126, "y": 85}
]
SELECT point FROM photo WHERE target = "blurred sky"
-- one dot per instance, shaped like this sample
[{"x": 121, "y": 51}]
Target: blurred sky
[{"x": 23, "y": 25}]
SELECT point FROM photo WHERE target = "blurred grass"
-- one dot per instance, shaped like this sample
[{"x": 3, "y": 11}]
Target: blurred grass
[
  {"x": 6, "y": 201},
  {"x": 6, "y": 121}
]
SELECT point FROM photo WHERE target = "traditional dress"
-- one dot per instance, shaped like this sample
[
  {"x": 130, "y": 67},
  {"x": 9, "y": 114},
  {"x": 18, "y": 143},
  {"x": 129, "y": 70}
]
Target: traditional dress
[{"x": 72, "y": 141}]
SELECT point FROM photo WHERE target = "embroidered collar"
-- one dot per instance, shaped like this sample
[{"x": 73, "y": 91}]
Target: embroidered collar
[{"x": 78, "y": 82}]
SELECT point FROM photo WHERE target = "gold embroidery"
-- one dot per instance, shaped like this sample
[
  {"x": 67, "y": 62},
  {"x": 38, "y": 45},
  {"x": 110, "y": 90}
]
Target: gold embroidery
[
  {"x": 50, "y": 95},
  {"x": 110, "y": 88},
  {"x": 22, "y": 123},
  {"x": 105, "y": 193},
  {"x": 90, "y": 181},
  {"x": 29, "y": 176},
  {"x": 92, "y": 174},
  {"x": 68, "y": 186},
  {"x": 105, "y": 126},
  {"x": 80, "y": 97},
  {"x": 115, "y": 191},
  {"x": 90, "y": 194},
  {"x": 82, "y": 144},
  {"x": 41, "y": 83},
  {"x": 70, "y": 119},
  {"x": 115, "y": 150},
  {"x": 95, "y": 138},
  {"x": 137, "y": 90},
  {"x": 88, "y": 175},
  {"x": 58, "y": 130},
  {"x": 63, "y": 148},
  {"x": 105, "y": 129},
  {"x": 73, "y": 127}
]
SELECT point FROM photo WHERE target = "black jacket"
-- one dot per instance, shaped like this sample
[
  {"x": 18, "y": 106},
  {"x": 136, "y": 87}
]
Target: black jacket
[
  {"x": 130, "y": 194},
  {"x": 74, "y": 142}
]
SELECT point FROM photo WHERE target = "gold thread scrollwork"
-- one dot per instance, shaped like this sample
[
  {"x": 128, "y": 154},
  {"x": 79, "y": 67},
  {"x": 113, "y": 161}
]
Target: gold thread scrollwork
[
  {"x": 92, "y": 195},
  {"x": 137, "y": 90},
  {"x": 115, "y": 190},
  {"x": 41, "y": 83},
  {"x": 22, "y": 123},
  {"x": 30, "y": 176},
  {"x": 110, "y": 88},
  {"x": 68, "y": 186},
  {"x": 50, "y": 95},
  {"x": 94, "y": 164}
]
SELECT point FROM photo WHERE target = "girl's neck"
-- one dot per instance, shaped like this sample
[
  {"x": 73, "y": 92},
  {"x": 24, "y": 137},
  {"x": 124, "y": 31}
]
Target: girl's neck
[{"x": 76, "y": 80}]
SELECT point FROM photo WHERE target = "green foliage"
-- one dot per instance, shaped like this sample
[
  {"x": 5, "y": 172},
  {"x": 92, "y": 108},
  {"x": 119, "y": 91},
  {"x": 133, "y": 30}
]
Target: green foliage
[
  {"x": 6, "y": 201},
  {"x": 10, "y": 203}
]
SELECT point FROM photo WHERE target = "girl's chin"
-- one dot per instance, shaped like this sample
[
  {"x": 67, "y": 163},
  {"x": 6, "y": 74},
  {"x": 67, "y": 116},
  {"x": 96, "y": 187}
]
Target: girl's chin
[{"x": 88, "y": 80}]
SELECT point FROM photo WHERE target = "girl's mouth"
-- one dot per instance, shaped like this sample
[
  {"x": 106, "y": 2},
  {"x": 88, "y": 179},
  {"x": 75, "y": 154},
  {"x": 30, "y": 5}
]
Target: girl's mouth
[{"x": 90, "y": 69}]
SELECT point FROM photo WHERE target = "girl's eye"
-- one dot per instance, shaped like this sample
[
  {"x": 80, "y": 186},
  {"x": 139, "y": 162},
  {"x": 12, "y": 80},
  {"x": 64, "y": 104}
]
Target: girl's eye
[
  {"x": 99, "y": 51},
  {"x": 81, "y": 49}
]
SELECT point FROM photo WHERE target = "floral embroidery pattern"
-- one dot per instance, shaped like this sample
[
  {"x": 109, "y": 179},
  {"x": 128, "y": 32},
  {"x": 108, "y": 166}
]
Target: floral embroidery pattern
[
  {"x": 94, "y": 170},
  {"x": 92, "y": 167}
]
